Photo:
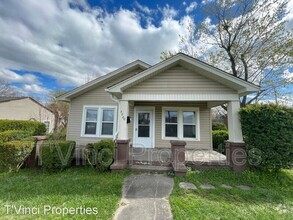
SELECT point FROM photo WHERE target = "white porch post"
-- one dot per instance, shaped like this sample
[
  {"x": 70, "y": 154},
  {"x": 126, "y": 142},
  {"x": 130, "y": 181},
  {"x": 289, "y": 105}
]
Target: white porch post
[
  {"x": 122, "y": 120},
  {"x": 234, "y": 125}
]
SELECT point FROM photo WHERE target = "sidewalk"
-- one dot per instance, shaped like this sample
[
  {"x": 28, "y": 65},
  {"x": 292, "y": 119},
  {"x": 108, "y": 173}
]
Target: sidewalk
[{"x": 145, "y": 196}]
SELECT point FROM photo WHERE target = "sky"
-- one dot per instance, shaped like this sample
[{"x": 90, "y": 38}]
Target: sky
[{"x": 52, "y": 45}]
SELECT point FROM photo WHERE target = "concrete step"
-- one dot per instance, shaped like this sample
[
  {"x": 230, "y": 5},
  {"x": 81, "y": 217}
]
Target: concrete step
[{"x": 149, "y": 168}]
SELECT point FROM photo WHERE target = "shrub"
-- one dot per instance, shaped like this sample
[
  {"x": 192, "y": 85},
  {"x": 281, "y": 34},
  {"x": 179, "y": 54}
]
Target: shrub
[
  {"x": 219, "y": 126},
  {"x": 13, "y": 153},
  {"x": 35, "y": 127},
  {"x": 101, "y": 154},
  {"x": 58, "y": 135},
  {"x": 56, "y": 155},
  {"x": 268, "y": 134},
  {"x": 11, "y": 135},
  {"x": 219, "y": 138}
]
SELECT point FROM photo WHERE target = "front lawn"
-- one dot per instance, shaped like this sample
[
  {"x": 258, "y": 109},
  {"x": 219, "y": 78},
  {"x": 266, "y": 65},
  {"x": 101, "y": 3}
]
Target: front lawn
[
  {"x": 270, "y": 197},
  {"x": 75, "y": 188}
]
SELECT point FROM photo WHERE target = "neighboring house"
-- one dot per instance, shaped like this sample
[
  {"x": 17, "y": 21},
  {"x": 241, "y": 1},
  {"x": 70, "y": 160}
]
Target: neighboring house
[
  {"x": 26, "y": 108},
  {"x": 148, "y": 106}
]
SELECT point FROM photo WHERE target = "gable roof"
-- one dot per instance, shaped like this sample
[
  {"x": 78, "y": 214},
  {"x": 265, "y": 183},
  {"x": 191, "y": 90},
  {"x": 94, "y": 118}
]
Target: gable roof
[
  {"x": 94, "y": 83},
  {"x": 243, "y": 87},
  {"x": 8, "y": 99}
]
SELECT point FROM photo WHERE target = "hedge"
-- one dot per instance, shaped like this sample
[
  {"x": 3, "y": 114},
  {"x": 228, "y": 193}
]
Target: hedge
[
  {"x": 219, "y": 138},
  {"x": 12, "y": 135},
  {"x": 35, "y": 127},
  {"x": 268, "y": 133},
  {"x": 58, "y": 135},
  {"x": 56, "y": 155},
  {"x": 13, "y": 153},
  {"x": 101, "y": 154},
  {"x": 219, "y": 126}
]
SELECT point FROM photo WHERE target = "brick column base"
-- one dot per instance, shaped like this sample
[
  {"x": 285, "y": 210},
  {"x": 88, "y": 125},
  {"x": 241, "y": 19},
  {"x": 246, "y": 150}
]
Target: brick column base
[
  {"x": 236, "y": 156},
  {"x": 121, "y": 155},
  {"x": 178, "y": 157}
]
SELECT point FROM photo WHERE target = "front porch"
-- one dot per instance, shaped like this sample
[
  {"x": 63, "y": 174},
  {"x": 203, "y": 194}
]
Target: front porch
[
  {"x": 142, "y": 142},
  {"x": 163, "y": 157}
]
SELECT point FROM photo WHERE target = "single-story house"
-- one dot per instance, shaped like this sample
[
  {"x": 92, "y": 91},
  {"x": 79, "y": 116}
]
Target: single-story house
[
  {"x": 147, "y": 106},
  {"x": 26, "y": 108}
]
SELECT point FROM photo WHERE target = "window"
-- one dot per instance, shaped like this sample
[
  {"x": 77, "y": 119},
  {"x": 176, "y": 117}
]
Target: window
[
  {"x": 91, "y": 121},
  {"x": 189, "y": 125},
  {"x": 180, "y": 123},
  {"x": 108, "y": 121},
  {"x": 98, "y": 121},
  {"x": 47, "y": 124},
  {"x": 171, "y": 123}
]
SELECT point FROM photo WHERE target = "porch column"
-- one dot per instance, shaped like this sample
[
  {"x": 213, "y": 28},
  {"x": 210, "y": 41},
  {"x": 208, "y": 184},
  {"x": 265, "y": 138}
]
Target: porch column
[
  {"x": 234, "y": 125},
  {"x": 122, "y": 142},
  {"x": 235, "y": 147},
  {"x": 122, "y": 120}
]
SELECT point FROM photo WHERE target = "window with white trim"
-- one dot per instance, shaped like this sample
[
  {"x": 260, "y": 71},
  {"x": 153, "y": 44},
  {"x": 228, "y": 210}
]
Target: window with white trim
[
  {"x": 98, "y": 121},
  {"x": 171, "y": 126},
  {"x": 107, "y": 121},
  {"x": 180, "y": 123}
]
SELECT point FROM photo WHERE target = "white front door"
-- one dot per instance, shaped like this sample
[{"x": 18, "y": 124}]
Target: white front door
[{"x": 143, "y": 129}]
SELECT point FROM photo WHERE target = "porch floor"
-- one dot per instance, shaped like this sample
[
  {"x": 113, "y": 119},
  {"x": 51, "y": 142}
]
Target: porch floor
[{"x": 162, "y": 157}]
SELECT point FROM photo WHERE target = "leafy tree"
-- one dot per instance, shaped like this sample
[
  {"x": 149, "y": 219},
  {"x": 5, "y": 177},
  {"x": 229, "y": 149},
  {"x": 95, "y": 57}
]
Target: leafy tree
[
  {"x": 247, "y": 38},
  {"x": 60, "y": 109}
]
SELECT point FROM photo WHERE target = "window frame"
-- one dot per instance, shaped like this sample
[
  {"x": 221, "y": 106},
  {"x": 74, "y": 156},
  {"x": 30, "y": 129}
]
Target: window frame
[
  {"x": 100, "y": 109},
  {"x": 170, "y": 123},
  {"x": 44, "y": 122},
  {"x": 180, "y": 124}
]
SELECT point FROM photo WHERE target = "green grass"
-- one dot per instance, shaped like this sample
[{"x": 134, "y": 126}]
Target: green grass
[
  {"x": 74, "y": 187},
  {"x": 271, "y": 196}
]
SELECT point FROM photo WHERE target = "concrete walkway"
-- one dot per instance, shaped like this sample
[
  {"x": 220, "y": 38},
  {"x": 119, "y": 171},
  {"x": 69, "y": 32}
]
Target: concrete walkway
[{"x": 145, "y": 196}]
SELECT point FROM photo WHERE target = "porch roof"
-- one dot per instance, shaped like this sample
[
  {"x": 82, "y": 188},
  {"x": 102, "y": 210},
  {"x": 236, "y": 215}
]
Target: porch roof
[{"x": 241, "y": 86}]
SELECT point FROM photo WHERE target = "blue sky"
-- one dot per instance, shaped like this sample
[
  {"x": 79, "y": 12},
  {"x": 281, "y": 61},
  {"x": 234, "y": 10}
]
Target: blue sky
[{"x": 52, "y": 45}]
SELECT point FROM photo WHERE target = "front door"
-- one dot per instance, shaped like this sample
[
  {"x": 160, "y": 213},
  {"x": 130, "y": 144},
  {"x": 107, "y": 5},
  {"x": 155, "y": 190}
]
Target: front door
[{"x": 143, "y": 128}]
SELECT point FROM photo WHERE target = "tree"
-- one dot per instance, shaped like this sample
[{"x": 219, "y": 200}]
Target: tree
[
  {"x": 60, "y": 110},
  {"x": 7, "y": 90},
  {"x": 246, "y": 38}
]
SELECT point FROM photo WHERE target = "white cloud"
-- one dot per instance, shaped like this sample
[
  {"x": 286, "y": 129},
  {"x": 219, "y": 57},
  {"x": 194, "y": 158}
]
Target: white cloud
[
  {"x": 10, "y": 76},
  {"x": 168, "y": 12},
  {"x": 288, "y": 75},
  {"x": 66, "y": 43},
  {"x": 191, "y": 7},
  {"x": 289, "y": 16},
  {"x": 35, "y": 89},
  {"x": 143, "y": 8},
  {"x": 205, "y": 2}
]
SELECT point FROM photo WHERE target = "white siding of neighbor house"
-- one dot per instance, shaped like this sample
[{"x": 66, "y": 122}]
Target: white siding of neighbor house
[
  {"x": 205, "y": 124},
  {"x": 26, "y": 109},
  {"x": 97, "y": 96}
]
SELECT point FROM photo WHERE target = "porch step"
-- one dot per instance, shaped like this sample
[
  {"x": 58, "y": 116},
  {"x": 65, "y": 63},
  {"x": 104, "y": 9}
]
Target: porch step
[{"x": 149, "y": 168}]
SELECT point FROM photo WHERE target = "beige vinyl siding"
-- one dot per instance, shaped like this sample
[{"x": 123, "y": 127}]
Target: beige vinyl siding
[
  {"x": 205, "y": 124},
  {"x": 97, "y": 96},
  {"x": 179, "y": 80}
]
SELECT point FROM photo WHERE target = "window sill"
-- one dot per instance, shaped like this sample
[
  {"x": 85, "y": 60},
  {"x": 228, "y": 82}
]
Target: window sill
[
  {"x": 96, "y": 136},
  {"x": 180, "y": 139}
]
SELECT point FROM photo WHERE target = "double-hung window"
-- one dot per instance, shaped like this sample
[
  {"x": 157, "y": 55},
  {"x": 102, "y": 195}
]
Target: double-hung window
[
  {"x": 171, "y": 123},
  {"x": 98, "y": 121},
  {"x": 180, "y": 123}
]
